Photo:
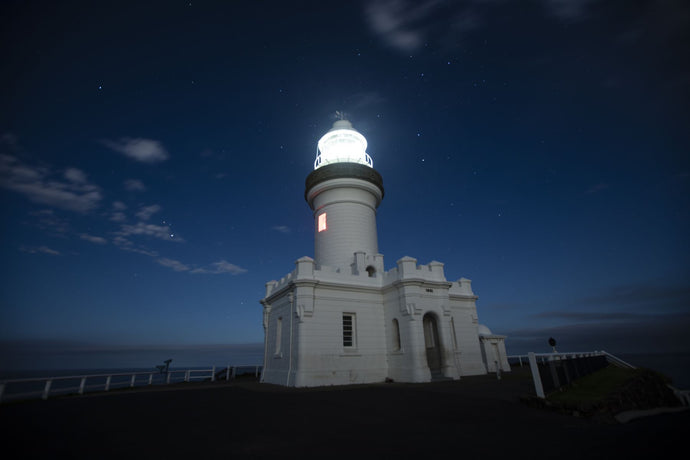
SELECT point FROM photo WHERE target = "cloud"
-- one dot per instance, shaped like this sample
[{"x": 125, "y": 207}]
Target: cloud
[
  {"x": 127, "y": 245},
  {"x": 282, "y": 228},
  {"x": 407, "y": 25},
  {"x": 116, "y": 214},
  {"x": 40, "y": 250},
  {"x": 49, "y": 221},
  {"x": 118, "y": 217},
  {"x": 647, "y": 334},
  {"x": 174, "y": 264},
  {"x": 650, "y": 297},
  {"x": 161, "y": 232},
  {"x": 400, "y": 22},
  {"x": 639, "y": 317},
  {"x": 220, "y": 267},
  {"x": 215, "y": 268},
  {"x": 134, "y": 185},
  {"x": 146, "y": 212},
  {"x": 93, "y": 239},
  {"x": 142, "y": 150},
  {"x": 589, "y": 316},
  {"x": 75, "y": 175},
  {"x": 40, "y": 185}
]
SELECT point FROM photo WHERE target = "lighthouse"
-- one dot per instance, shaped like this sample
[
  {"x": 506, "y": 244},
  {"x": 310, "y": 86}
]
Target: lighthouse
[
  {"x": 341, "y": 318},
  {"x": 343, "y": 191}
]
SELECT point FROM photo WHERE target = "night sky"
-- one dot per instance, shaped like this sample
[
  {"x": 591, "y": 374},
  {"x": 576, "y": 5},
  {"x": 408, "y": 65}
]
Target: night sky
[{"x": 153, "y": 157}]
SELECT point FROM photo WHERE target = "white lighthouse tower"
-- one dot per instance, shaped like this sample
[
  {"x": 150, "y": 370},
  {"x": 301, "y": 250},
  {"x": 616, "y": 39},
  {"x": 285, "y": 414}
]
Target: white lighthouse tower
[
  {"x": 340, "y": 318},
  {"x": 344, "y": 191}
]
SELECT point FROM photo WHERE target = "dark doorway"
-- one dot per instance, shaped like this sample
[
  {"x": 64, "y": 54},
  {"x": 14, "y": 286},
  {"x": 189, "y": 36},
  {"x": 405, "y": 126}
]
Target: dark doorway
[{"x": 433, "y": 345}]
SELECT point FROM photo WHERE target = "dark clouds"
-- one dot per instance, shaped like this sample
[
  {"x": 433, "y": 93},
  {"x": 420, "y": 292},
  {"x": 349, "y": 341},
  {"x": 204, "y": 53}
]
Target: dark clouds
[{"x": 637, "y": 318}]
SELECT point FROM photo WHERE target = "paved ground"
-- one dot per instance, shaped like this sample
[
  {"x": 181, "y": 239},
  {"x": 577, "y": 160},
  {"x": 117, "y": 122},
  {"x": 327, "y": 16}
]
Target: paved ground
[{"x": 476, "y": 417}]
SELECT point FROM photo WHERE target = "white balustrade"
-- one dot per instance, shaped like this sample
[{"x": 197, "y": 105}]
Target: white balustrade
[{"x": 51, "y": 386}]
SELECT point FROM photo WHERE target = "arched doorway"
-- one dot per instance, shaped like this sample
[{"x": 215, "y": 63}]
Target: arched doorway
[{"x": 432, "y": 344}]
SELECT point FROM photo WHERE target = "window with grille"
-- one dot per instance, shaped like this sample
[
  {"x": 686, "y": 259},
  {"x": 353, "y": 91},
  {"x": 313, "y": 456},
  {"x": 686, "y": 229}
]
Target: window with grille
[{"x": 348, "y": 330}]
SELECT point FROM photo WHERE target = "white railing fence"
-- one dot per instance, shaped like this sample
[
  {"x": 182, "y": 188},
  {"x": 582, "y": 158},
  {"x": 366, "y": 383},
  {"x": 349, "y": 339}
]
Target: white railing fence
[
  {"x": 533, "y": 359},
  {"x": 44, "y": 387},
  {"x": 545, "y": 357}
]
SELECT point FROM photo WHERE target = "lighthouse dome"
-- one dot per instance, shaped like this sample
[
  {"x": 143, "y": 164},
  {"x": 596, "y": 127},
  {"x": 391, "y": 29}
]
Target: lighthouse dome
[
  {"x": 342, "y": 144},
  {"x": 483, "y": 330}
]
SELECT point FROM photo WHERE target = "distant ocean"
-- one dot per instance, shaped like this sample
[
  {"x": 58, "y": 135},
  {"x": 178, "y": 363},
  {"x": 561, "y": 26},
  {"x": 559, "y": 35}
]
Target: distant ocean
[
  {"x": 27, "y": 362},
  {"x": 673, "y": 365}
]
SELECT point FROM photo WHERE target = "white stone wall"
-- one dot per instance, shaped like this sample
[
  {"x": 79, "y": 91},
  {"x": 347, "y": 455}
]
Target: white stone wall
[
  {"x": 406, "y": 293},
  {"x": 408, "y": 364},
  {"x": 494, "y": 351},
  {"x": 277, "y": 357},
  {"x": 469, "y": 355},
  {"x": 323, "y": 358}
]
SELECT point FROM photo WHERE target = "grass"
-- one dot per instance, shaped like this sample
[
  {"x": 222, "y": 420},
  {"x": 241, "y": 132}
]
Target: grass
[
  {"x": 594, "y": 387},
  {"x": 612, "y": 390}
]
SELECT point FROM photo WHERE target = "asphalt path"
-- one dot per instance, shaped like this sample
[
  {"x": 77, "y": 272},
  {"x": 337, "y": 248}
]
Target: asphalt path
[{"x": 475, "y": 417}]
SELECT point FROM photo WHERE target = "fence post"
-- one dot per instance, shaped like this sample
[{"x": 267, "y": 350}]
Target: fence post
[
  {"x": 82, "y": 385},
  {"x": 535, "y": 375},
  {"x": 167, "y": 379},
  {"x": 46, "y": 389},
  {"x": 234, "y": 372},
  {"x": 256, "y": 372},
  {"x": 213, "y": 374},
  {"x": 107, "y": 383},
  {"x": 131, "y": 382},
  {"x": 150, "y": 378},
  {"x": 227, "y": 372},
  {"x": 186, "y": 376}
]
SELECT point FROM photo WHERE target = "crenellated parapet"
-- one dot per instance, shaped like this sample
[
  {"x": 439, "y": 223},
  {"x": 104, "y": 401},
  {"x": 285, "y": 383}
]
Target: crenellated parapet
[
  {"x": 367, "y": 271},
  {"x": 462, "y": 288},
  {"x": 408, "y": 269}
]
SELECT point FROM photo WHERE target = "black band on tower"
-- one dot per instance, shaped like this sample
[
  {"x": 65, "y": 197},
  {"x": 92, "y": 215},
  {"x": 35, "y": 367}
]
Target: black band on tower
[{"x": 338, "y": 170}]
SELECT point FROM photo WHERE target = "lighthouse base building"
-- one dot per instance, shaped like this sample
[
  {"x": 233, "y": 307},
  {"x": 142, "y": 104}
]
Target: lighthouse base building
[{"x": 340, "y": 318}]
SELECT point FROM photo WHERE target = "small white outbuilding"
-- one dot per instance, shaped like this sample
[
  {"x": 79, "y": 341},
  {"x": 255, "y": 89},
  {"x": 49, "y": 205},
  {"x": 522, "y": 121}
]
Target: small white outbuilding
[{"x": 341, "y": 318}]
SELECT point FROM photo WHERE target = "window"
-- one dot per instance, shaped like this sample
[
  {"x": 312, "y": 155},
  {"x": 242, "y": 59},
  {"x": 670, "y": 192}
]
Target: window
[
  {"x": 322, "y": 227},
  {"x": 279, "y": 334},
  {"x": 371, "y": 271},
  {"x": 396, "y": 335},
  {"x": 452, "y": 330},
  {"x": 348, "y": 330}
]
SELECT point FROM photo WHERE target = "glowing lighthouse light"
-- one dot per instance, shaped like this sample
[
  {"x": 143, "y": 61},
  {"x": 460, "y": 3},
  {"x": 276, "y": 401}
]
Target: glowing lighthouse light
[{"x": 342, "y": 144}]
